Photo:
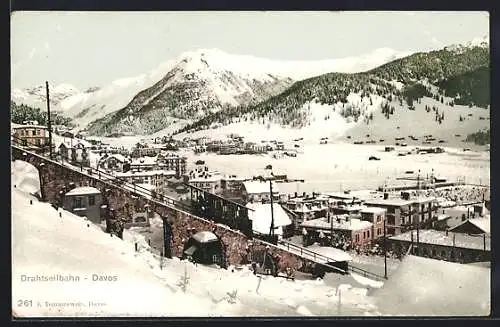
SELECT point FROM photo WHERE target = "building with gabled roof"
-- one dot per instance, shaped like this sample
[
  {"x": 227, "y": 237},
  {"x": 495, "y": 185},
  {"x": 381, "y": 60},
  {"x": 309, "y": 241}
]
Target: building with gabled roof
[{"x": 473, "y": 226}]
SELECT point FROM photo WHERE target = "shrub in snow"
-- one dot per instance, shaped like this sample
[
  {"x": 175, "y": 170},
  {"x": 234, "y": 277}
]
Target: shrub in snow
[
  {"x": 232, "y": 296},
  {"x": 184, "y": 280}
]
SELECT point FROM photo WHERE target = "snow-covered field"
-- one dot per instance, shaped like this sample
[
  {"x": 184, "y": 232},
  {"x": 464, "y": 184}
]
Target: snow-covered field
[
  {"x": 343, "y": 166},
  {"x": 332, "y": 167}
]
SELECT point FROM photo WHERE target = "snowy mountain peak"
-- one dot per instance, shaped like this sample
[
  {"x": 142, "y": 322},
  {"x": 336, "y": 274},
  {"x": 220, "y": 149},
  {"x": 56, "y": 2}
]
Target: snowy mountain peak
[
  {"x": 65, "y": 88},
  {"x": 36, "y": 96},
  {"x": 483, "y": 42}
]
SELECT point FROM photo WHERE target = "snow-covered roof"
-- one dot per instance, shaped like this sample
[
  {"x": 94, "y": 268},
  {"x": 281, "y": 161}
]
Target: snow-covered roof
[
  {"x": 58, "y": 140},
  {"x": 83, "y": 190},
  {"x": 427, "y": 287},
  {"x": 204, "y": 176},
  {"x": 344, "y": 224},
  {"x": 481, "y": 223},
  {"x": 389, "y": 202},
  {"x": 443, "y": 217},
  {"x": 117, "y": 156},
  {"x": 147, "y": 186},
  {"x": 205, "y": 236},
  {"x": 339, "y": 195},
  {"x": 429, "y": 236},
  {"x": 144, "y": 161},
  {"x": 261, "y": 217},
  {"x": 146, "y": 173},
  {"x": 29, "y": 126},
  {"x": 331, "y": 252},
  {"x": 373, "y": 210},
  {"x": 258, "y": 187}
]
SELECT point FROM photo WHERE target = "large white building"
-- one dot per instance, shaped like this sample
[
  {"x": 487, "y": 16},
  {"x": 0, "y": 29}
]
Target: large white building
[
  {"x": 261, "y": 218},
  {"x": 258, "y": 191}
]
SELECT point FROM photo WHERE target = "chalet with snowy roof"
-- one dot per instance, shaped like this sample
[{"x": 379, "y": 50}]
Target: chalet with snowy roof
[
  {"x": 404, "y": 211},
  {"x": 204, "y": 179},
  {"x": 377, "y": 217},
  {"x": 114, "y": 162},
  {"x": 443, "y": 245},
  {"x": 31, "y": 134},
  {"x": 143, "y": 164},
  {"x": 172, "y": 161},
  {"x": 474, "y": 226},
  {"x": 153, "y": 180},
  {"x": 144, "y": 150},
  {"x": 307, "y": 207},
  {"x": 253, "y": 147},
  {"x": 262, "y": 214},
  {"x": 84, "y": 201},
  {"x": 341, "y": 230},
  {"x": 228, "y": 148},
  {"x": 259, "y": 191}
]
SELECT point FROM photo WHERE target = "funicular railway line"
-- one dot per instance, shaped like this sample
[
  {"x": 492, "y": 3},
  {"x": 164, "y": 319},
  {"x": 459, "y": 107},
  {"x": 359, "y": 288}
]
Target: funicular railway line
[{"x": 140, "y": 191}]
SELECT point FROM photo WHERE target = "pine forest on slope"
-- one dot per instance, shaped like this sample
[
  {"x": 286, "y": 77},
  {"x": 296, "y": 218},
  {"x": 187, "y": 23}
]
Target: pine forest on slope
[{"x": 457, "y": 73}]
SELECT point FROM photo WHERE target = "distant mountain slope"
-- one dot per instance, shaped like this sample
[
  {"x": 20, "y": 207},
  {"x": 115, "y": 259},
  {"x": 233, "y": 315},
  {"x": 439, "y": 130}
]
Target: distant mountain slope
[
  {"x": 37, "y": 96},
  {"x": 208, "y": 81},
  {"x": 459, "y": 71}
]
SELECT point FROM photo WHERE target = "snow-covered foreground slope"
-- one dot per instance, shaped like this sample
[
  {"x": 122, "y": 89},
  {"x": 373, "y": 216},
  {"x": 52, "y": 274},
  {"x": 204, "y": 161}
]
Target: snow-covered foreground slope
[
  {"x": 436, "y": 288},
  {"x": 46, "y": 244}
]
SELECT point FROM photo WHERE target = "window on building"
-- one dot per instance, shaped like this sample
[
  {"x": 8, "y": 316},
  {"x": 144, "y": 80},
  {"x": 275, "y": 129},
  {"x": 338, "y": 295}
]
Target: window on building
[
  {"x": 368, "y": 234},
  {"x": 39, "y": 132},
  {"x": 77, "y": 202},
  {"x": 379, "y": 231},
  {"x": 379, "y": 218},
  {"x": 364, "y": 235},
  {"x": 91, "y": 200},
  {"x": 33, "y": 132}
]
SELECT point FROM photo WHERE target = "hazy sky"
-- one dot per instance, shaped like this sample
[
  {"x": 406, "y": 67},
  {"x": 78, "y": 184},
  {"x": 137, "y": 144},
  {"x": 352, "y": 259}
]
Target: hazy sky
[{"x": 94, "y": 48}]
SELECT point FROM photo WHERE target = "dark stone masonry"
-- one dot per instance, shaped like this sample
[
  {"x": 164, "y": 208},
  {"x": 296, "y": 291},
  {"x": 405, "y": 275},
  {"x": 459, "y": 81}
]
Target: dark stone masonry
[{"x": 121, "y": 204}]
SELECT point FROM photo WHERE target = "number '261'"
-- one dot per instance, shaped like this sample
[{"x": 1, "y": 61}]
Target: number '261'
[{"x": 24, "y": 303}]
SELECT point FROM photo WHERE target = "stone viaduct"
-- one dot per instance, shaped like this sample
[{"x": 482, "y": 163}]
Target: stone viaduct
[{"x": 55, "y": 177}]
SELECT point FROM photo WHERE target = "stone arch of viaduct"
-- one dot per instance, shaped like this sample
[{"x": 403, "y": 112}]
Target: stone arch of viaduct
[{"x": 54, "y": 177}]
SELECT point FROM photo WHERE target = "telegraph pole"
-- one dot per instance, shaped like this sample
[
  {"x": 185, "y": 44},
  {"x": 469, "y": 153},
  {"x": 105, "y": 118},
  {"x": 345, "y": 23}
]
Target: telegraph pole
[
  {"x": 385, "y": 253},
  {"x": 271, "y": 232},
  {"x": 49, "y": 125}
]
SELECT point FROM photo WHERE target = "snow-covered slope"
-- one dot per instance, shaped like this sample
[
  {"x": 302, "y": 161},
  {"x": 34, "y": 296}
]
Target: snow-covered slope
[
  {"x": 325, "y": 120},
  {"x": 436, "y": 288},
  {"x": 37, "y": 96}
]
